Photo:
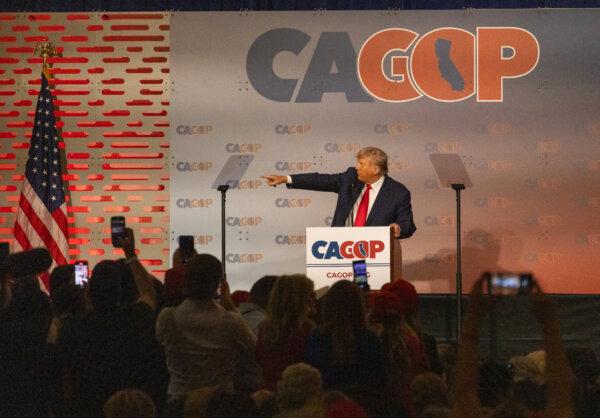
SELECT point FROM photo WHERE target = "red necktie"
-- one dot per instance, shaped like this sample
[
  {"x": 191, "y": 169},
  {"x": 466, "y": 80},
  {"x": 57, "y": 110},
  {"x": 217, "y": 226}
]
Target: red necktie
[{"x": 363, "y": 208}]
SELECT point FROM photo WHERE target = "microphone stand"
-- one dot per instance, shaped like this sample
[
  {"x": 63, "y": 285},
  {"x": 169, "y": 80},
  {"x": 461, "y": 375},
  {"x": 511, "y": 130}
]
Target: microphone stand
[
  {"x": 457, "y": 188},
  {"x": 353, "y": 186},
  {"x": 223, "y": 189}
]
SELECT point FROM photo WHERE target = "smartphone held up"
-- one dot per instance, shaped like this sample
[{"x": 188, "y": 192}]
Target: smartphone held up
[
  {"x": 186, "y": 247},
  {"x": 359, "y": 269},
  {"x": 81, "y": 272},
  {"x": 510, "y": 284},
  {"x": 117, "y": 230}
]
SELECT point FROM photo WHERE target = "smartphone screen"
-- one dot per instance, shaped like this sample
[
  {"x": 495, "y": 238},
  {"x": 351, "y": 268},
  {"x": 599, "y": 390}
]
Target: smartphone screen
[
  {"x": 186, "y": 247},
  {"x": 359, "y": 268},
  {"x": 81, "y": 272},
  {"x": 117, "y": 230},
  {"x": 509, "y": 284}
]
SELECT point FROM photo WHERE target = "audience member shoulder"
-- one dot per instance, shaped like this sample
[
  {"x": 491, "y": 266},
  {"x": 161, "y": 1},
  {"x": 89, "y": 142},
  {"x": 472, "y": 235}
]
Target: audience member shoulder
[{"x": 165, "y": 314}]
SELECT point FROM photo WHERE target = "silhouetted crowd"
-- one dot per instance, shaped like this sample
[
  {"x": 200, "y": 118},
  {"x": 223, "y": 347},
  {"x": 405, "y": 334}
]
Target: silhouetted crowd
[{"x": 127, "y": 345}]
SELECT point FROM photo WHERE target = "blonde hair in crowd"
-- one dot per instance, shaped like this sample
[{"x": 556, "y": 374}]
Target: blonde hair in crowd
[
  {"x": 197, "y": 401},
  {"x": 378, "y": 157},
  {"x": 298, "y": 384},
  {"x": 288, "y": 308},
  {"x": 130, "y": 403},
  {"x": 393, "y": 341}
]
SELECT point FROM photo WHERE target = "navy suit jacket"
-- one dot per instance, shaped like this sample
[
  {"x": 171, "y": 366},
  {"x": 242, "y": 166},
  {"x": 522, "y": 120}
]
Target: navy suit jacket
[{"x": 391, "y": 206}]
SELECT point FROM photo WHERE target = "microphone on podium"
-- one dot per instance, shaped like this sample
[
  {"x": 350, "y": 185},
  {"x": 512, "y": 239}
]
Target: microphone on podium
[{"x": 353, "y": 194}]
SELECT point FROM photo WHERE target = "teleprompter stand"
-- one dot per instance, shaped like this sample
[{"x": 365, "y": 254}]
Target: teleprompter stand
[
  {"x": 229, "y": 177},
  {"x": 223, "y": 189},
  {"x": 452, "y": 173}
]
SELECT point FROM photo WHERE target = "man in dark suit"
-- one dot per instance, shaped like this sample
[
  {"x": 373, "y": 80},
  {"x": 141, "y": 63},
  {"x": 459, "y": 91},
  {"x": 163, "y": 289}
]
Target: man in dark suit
[{"x": 367, "y": 196}]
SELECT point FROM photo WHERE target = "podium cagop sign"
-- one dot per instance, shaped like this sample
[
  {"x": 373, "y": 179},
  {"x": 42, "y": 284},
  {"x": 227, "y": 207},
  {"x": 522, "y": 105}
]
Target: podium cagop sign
[{"x": 330, "y": 252}]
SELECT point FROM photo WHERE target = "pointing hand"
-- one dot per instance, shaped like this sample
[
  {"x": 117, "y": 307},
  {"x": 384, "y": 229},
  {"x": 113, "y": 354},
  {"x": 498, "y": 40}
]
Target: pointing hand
[{"x": 274, "y": 180}]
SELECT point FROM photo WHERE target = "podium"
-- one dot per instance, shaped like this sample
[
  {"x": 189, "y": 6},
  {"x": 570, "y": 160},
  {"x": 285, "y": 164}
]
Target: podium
[{"x": 330, "y": 252}]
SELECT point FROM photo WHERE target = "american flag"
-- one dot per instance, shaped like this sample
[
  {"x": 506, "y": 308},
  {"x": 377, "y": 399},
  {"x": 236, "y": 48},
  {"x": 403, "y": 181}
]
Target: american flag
[{"x": 42, "y": 214}]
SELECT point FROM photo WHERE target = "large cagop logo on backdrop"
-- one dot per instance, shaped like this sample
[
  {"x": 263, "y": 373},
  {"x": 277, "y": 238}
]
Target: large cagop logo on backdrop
[{"x": 396, "y": 65}]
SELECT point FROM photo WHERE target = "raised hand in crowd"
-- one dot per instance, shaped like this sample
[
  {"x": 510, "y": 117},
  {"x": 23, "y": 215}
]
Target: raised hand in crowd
[
  {"x": 143, "y": 279},
  {"x": 559, "y": 377},
  {"x": 225, "y": 299},
  {"x": 465, "y": 401}
]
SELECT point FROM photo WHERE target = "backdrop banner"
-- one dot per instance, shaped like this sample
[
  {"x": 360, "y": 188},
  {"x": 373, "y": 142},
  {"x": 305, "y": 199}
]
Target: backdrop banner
[{"x": 515, "y": 93}]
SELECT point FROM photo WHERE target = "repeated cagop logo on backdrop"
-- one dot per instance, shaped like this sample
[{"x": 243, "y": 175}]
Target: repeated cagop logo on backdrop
[
  {"x": 292, "y": 165},
  {"x": 242, "y": 148},
  {"x": 439, "y": 220},
  {"x": 290, "y": 239},
  {"x": 194, "y": 203},
  {"x": 442, "y": 146},
  {"x": 203, "y": 239},
  {"x": 391, "y": 128},
  {"x": 493, "y": 202},
  {"x": 544, "y": 257},
  {"x": 245, "y": 184},
  {"x": 193, "y": 166},
  {"x": 285, "y": 203},
  {"x": 396, "y": 65},
  {"x": 301, "y": 129},
  {"x": 243, "y": 220},
  {"x": 544, "y": 220},
  {"x": 333, "y": 147},
  {"x": 398, "y": 165},
  {"x": 236, "y": 258},
  {"x": 193, "y": 129},
  {"x": 544, "y": 183}
]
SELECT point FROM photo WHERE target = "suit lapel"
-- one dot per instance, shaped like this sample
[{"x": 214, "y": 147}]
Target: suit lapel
[
  {"x": 358, "y": 190},
  {"x": 380, "y": 201}
]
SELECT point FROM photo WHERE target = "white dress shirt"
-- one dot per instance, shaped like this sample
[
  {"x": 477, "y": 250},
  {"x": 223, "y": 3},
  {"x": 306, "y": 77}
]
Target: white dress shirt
[{"x": 375, "y": 187}]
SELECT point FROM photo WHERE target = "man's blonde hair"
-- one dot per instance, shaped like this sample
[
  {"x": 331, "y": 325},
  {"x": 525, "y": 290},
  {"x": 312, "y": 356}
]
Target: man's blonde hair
[{"x": 378, "y": 157}]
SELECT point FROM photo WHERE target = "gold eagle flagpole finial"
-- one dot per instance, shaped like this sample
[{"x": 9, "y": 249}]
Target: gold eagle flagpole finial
[{"x": 45, "y": 49}]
